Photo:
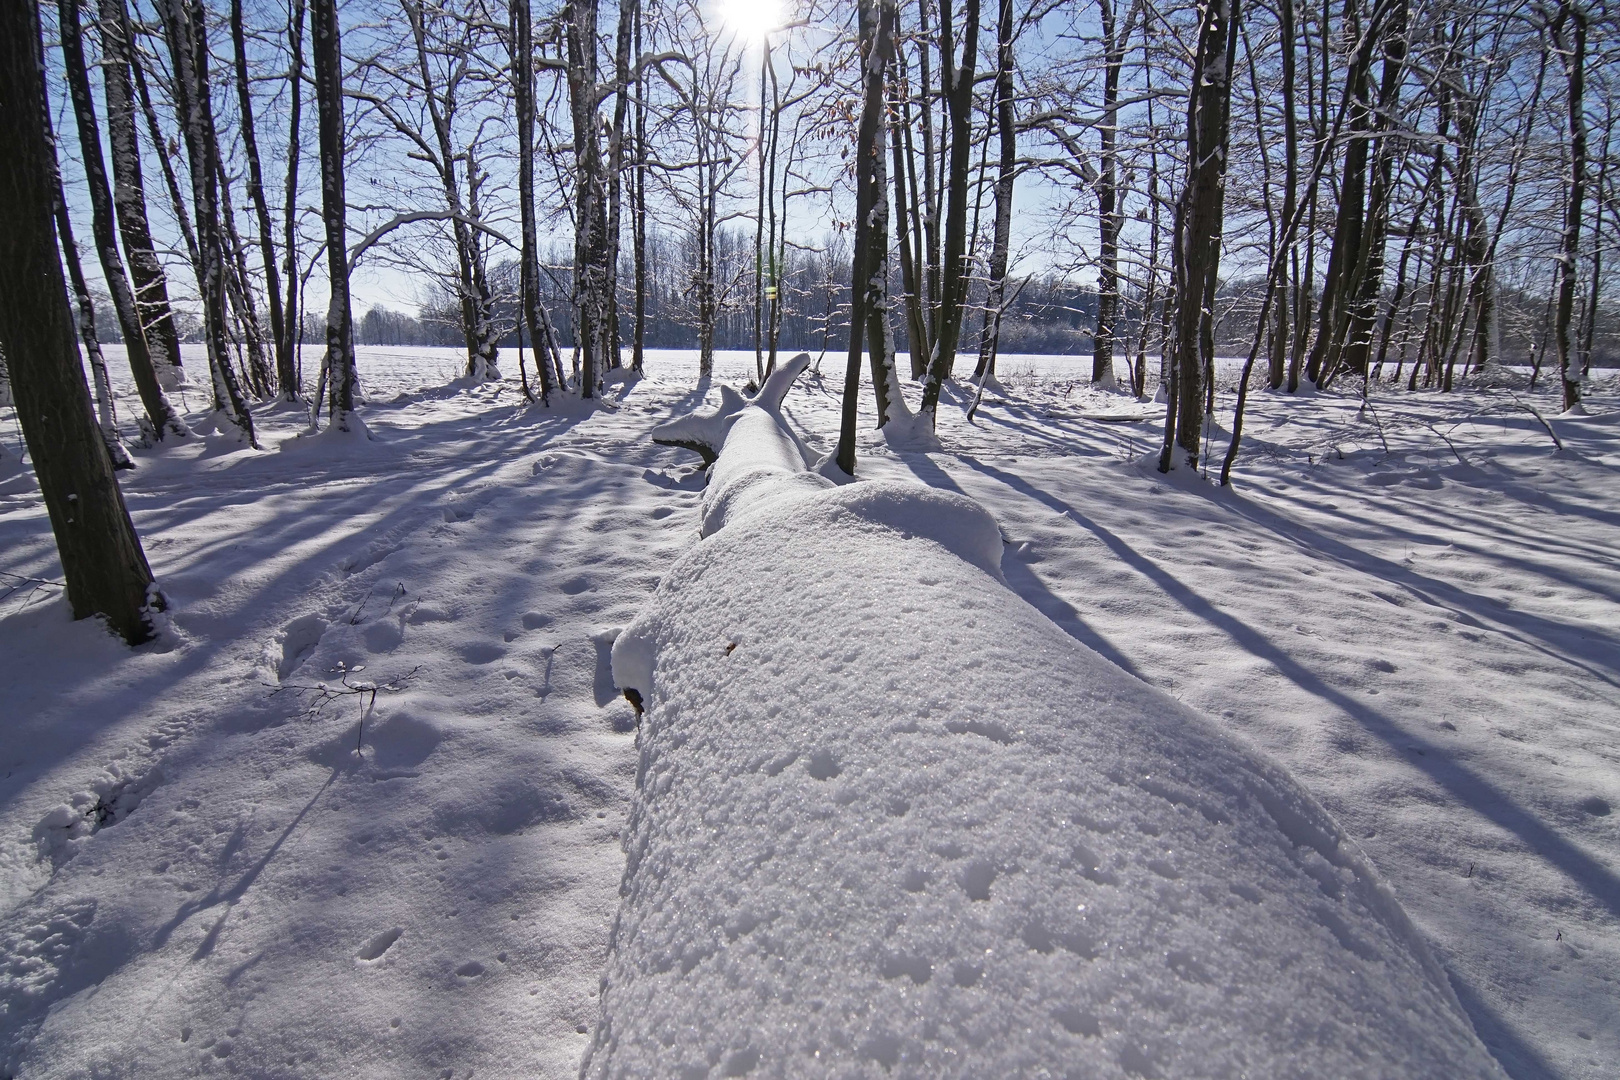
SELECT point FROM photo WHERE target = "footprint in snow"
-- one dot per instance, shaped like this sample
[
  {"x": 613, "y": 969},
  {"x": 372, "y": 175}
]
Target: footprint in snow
[
  {"x": 374, "y": 949},
  {"x": 298, "y": 640},
  {"x": 481, "y": 652}
]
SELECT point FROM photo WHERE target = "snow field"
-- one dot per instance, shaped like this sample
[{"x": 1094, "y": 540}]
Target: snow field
[
  {"x": 279, "y": 904},
  {"x": 1478, "y": 776},
  {"x": 891, "y": 821}
]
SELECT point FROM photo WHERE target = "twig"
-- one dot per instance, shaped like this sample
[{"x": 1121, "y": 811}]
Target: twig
[
  {"x": 12, "y": 583},
  {"x": 1527, "y": 407},
  {"x": 325, "y": 693}
]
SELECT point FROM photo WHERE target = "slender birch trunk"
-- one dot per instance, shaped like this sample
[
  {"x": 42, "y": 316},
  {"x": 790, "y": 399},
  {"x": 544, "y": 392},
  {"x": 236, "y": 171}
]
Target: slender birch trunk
[
  {"x": 129, "y": 196},
  {"x": 162, "y": 419}
]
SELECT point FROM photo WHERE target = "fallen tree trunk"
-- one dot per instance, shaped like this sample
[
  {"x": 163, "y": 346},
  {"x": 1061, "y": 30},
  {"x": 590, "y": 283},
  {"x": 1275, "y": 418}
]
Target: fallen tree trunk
[{"x": 890, "y": 820}]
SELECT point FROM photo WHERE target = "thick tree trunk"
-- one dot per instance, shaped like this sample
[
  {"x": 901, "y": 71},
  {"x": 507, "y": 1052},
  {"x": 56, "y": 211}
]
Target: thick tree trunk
[
  {"x": 1350, "y": 221},
  {"x": 339, "y": 364},
  {"x": 103, "y": 566},
  {"x": 188, "y": 50},
  {"x": 1199, "y": 222},
  {"x": 162, "y": 419},
  {"x": 129, "y": 195},
  {"x": 877, "y": 19}
]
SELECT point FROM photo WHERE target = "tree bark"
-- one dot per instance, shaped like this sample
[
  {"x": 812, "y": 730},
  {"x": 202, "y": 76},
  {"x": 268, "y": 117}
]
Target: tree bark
[
  {"x": 957, "y": 80},
  {"x": 590, "y": 211},
  {"x": 106, "y": 417},
  {"x": 1108, "y": 220},
  {"x": 281, "y": 342},
  {"x": 185, "y": 30},
  {"x": 1006, "y": 171},
  {"x": 290, "y": 380},
  {"x": 129, "y": 195},
  {"x": 162, "y": 419},
  {"x": 1199, "y": 221},
  {"x": 339, "y": 363},
  {"x": 103, "y": 567},
  {"x": 1572, "y": 51},
  {"x": 623, "y": 39},
  {"x": 877, "y": 19},
  {"x": 523, "y": 93}
]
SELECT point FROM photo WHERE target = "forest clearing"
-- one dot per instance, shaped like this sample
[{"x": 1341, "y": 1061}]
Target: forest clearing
[{"x": 788, "y": 538}]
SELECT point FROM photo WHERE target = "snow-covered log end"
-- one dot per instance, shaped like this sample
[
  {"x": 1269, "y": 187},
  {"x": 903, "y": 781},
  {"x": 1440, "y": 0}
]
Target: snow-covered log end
[{"x": 891, "y": 821}]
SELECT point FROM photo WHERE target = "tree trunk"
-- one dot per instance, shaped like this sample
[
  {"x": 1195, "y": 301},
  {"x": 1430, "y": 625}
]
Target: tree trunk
[
  {"x": 106, "y": 416},
  {"x": 339, "y": 363},
  {"x": 1573, "y": 55},
  {"x": 523, "y": 94},
  {"x": 1007, "y": 132},
  {"x": 877, "y": 19},
  {"x": 103, "y": 566},
  {"x": 639, "y": 210},
  {"x": 623, "y": 39},
  {"x": 957, "y": 80},
  {"x": 129, "y": 195},
  {"x": 1108, "y": 221},
  {"x": 1281, "y": 334},
  {"x": 290, "y": 379},
  {"x": 239, "y": 290},
  {"x": 907, "y": 226},
  {"x": 261, "y": 207},
  {"x": 188, "y": 50},
  {"x": 1199, "y": 221},
  {"x": 162, "y": 419},
  {"x": 590, "y": 213}
]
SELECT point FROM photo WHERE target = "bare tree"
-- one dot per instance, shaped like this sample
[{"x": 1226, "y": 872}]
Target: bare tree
[{"x": 103, "y": 565}]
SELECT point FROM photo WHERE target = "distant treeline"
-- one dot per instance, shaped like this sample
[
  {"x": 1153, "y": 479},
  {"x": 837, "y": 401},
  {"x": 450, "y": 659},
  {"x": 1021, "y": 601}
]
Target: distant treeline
[{"x": 1048, "y": 314}]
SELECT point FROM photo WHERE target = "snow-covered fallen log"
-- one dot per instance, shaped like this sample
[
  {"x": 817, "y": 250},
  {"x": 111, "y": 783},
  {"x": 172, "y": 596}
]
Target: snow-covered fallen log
[{"x": 891, "y": 821}]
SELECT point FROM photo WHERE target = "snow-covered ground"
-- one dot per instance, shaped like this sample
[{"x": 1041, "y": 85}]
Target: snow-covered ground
[{"x": 1415, "y": 612}]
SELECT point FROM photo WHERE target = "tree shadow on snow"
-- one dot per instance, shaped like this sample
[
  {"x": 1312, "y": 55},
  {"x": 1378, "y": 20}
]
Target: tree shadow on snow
[{"x": 1469, "y": 788}]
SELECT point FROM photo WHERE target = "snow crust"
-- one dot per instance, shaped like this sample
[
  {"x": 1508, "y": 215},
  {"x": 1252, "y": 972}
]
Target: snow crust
[{"x": 890, "y": 820}]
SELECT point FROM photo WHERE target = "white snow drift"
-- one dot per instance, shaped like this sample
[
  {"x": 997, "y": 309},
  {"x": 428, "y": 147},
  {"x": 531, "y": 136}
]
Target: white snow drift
[{"x": 890, "y": 820}]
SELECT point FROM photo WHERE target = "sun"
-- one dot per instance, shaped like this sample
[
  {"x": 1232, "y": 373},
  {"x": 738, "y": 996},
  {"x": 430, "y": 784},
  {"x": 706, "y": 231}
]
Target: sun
[{"x": 751, "y": 19}]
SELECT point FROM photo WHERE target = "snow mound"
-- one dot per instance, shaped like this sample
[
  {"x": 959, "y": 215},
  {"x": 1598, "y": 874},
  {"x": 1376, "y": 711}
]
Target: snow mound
[{"x": 891, "y": 821}]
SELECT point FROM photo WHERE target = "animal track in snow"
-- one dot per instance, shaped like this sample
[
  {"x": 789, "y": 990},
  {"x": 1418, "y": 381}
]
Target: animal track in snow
[
  {"x": 481, "y": 652},
  {"x": 374, "y": 949},
  {"x": 373, "y": 555},
  {"x": 298, "y": 640}
]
